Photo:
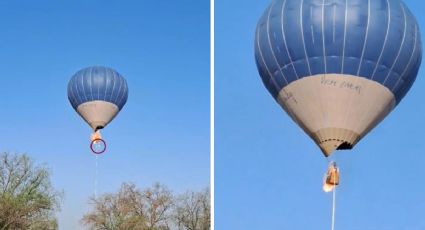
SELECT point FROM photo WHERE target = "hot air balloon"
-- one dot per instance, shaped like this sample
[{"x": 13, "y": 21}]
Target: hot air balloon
[
  {"x": 338, "y": 67},
  {"x": 97, "y": 94}
]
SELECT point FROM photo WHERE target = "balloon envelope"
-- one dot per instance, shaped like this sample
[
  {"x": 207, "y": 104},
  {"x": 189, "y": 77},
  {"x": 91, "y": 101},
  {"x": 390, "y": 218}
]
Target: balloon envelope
[
  {"x": 338, "y": 67},
  {"x": 97, "y": 94}
]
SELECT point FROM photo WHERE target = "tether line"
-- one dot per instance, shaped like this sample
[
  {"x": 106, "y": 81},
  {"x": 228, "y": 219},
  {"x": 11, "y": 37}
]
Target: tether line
[
  {"x": 333, "y": 206},
  {"x": 95, "y": 178}
]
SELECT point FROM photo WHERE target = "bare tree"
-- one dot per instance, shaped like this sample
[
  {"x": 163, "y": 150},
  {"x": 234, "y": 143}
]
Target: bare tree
[
  {"x": 27, "y": 198},
  {"x": 192, "y": 211},
  {"x": 131, "y": 208},
  {"x": 117, "y": 211},
  {"x": 158, "y": 201}
]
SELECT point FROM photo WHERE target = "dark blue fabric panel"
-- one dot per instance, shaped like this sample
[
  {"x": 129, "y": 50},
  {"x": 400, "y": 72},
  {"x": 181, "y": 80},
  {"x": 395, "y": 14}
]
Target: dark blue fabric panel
[
  {"x": 381, "y": 72},
  {"x": 392, "y": 79},
  {"x": 289, "y": 71},
  {"x": 260, "y": 43},
  {"x": 276, "y": 36},
  {"x": 269, "y": 54},
  {"x": 378, "y": 24},
  {"x": 279, "y": 79},
  {"x": 367, "y": 67},
  {"x": 409, "y": 79},
  {"x": 97, "y": 83},
  {"x": 351, "y": 65},
  {"x": 355, "y": 36},
  {"x": 334, "y": 30},
  {"x": 263, "y": 72},
  {"x": 302, "y": 67},
  {"x": 394, "y": 41},
  {"x": 266, "y": 80},
  {"x": 312, "y": 29},
  {"x": 407, "y": 84},
  {"x": 292, "y": 28},
  {"x": 109, "y": 83},
  {"x": 267, "y": 51},
  {"x": 262, "y": 68},
  {"x": 408, "y": 46},
  {"x": 374, "y": 39},
  {"x": 79, "y": 83},
  {"x": 317, "y": 65},
  {"x": 272, "y": 88},
  {"x": 334, "y": 64}
]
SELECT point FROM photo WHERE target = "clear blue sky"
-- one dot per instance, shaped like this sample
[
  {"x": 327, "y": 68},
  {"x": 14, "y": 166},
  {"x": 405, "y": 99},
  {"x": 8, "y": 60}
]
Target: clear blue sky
[
  {"x": 269, "y": 173},
  {"x": 161, "y": 135}
]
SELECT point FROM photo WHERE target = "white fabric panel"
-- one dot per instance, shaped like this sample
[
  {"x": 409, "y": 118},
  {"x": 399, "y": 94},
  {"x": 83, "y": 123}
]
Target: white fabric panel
[
  {"x": 97, "y": 113},
  {"x": 334, "y": 109}
]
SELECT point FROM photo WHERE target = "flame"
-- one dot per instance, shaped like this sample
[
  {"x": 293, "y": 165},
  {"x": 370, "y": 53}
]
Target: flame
[
  {"x": 95, "y": 136},
  {"x": 328, "y": 187},
  {"x": 331, "y": 178}
]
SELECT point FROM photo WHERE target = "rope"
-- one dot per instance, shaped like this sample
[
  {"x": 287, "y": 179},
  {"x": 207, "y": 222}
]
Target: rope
[
  {"x": 333, "y": 195},
  {"x": 95, "y": 178},
  {"x": 333, "y": 207}
]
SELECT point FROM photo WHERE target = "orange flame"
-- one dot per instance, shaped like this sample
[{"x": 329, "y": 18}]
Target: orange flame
[
  {"x": 331, "y": 178},
  {"x": 328, "y": 187},
  {"x": 95, "y": 136}
]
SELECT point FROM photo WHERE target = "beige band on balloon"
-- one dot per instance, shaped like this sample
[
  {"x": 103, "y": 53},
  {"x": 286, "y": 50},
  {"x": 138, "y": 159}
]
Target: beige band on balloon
[
  {"x": 336, "y": 110},
  {"x": 97, "y": 113}
]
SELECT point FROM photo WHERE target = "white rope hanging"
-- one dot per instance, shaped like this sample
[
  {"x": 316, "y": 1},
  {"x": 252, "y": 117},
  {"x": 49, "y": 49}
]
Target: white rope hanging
[
  {"x": 95, "y": 179},
  {"x": 333, "y": 208}
]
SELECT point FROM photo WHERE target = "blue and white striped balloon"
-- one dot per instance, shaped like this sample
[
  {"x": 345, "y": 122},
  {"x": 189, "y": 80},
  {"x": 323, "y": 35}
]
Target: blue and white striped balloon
[
  {"x": 97, "y": 94},
  {"x": 338, "y": 67}
]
